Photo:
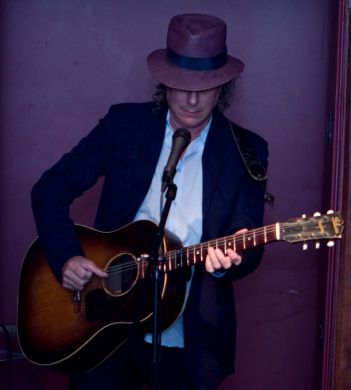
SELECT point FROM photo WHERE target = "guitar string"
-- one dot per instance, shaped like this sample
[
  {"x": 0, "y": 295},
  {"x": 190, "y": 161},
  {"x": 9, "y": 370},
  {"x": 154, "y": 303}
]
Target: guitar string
[
  {"x": 191, "y": 250},
  {"x": 239, "y": 240}
]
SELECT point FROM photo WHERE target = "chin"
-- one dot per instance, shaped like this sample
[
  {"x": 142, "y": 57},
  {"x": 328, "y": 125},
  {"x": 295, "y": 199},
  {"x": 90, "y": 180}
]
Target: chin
[{"x": 192, "y": 122}]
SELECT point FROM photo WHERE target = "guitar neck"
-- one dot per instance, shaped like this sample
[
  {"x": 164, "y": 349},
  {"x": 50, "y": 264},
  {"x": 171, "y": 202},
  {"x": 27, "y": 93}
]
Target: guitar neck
[
  {"x": 319, "y": 227},
  {"x": 195, "y": 254}
]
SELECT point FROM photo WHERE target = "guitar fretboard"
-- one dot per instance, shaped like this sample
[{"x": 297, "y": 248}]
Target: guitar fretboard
[{"x": 195, "y": 254}]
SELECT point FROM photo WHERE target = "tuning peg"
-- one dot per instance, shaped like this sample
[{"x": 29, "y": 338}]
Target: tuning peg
[
  {"x": 330, "y": 212},
  {"x": 317, "y": 214},
  {"x": 304, "y": 246},
  {"x": 318, "y": 245},
  {"x": 330, "y": 243},
  {"x": 304, "y": 216}
]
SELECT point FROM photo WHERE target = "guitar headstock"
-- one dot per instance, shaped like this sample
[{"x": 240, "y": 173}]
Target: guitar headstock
[{"x": 319, "y": 227}]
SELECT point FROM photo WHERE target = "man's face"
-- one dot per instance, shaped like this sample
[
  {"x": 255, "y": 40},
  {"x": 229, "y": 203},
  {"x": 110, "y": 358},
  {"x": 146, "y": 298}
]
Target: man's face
[{"x": 191, "y": 110}]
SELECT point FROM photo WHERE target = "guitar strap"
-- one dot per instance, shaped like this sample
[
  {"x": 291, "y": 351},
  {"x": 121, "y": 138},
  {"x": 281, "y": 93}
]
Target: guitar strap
[{"x": 251, "y": 160}]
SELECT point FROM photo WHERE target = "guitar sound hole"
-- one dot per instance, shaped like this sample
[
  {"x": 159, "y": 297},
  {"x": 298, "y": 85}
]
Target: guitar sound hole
[{"x": 123, "y": 273}]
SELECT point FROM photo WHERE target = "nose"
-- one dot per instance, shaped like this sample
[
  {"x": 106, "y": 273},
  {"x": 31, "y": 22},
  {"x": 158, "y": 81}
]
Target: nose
[{"x": 193, "y": 98}]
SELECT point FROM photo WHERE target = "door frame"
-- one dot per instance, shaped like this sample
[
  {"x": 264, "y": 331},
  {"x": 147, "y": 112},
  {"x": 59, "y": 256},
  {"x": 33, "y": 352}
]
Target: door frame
[{"x": 336, "y": 372}]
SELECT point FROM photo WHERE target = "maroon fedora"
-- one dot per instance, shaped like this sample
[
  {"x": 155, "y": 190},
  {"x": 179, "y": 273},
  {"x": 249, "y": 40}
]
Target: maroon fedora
[{"x": 196, "y": 56}]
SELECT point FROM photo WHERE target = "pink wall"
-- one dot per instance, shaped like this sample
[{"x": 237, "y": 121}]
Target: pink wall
[{"x": 64, "y": 63}]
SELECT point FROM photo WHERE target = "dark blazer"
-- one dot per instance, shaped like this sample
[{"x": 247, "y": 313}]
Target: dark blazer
[{"x": 124, "y": 148}]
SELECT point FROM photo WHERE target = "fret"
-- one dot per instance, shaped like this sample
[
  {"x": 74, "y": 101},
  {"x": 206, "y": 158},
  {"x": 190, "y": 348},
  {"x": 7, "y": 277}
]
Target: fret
[
  {"x": 244, "y": 243},
  {"x": 254, "y": 237},
  {"x": 265, "y": 234},
  {"x": 179, "y": 258},
  {"x": 198, "y": 258},
  {"x": 277, "y": 231}
]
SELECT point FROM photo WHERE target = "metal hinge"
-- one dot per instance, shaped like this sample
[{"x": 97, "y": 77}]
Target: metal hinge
[
  {"x": 321, "y": 333},
  {"x": 329, "y": 127}
]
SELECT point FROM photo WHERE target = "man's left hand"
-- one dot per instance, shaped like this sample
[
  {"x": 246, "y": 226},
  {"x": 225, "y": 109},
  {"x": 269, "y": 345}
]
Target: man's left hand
[{"x": 217, "y": 260}]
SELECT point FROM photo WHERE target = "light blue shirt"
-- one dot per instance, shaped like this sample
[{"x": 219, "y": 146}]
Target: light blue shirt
[{"x": 185, "y": 216}]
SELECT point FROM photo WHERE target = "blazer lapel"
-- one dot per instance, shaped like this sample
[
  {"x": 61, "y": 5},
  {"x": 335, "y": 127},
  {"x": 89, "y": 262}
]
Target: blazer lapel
[{"x": 213, "y": 159}]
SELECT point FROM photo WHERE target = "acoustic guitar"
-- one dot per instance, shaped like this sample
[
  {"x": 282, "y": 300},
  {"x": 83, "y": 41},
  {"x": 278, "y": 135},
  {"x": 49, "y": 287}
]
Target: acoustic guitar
[{"x": 74, "y": 332}]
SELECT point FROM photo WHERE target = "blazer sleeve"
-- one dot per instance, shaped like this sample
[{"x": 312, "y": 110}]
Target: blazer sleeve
[{"x": 53, "y": 194}]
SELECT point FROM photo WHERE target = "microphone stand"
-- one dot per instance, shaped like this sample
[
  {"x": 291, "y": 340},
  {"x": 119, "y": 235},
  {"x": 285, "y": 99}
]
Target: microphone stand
[{"x": 157, "y": 258}]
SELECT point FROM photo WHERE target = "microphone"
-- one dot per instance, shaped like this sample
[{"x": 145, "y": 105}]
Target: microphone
[{"x": 181, "y": 139}]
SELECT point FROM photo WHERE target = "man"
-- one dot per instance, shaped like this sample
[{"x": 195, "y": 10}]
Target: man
[{"x": 216, "y": 197}]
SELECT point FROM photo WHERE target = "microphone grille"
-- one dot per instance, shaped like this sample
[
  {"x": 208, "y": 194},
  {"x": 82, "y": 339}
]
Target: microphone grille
[{"x": 183, "y": 133}]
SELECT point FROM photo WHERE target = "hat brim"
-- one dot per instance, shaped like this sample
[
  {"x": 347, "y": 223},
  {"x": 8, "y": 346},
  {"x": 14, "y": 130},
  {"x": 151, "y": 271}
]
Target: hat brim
[{"x": 189, "y": 80}]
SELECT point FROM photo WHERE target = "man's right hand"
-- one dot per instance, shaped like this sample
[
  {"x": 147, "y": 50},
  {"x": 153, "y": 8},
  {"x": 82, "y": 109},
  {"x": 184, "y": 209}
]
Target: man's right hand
[{"x": 77, "y": 271}]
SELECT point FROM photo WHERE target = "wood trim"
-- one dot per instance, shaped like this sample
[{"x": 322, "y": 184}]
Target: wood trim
[
  {"x": 337, "y": 347},
  {"x": 343, "y": 320}
]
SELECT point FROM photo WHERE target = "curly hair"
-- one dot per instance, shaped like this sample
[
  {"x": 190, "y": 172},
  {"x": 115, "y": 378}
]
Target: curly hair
[{"x": 225, "y": 96}]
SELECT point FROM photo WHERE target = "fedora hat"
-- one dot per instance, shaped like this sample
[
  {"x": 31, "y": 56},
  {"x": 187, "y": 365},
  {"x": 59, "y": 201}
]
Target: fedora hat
[{"x": 196, "y": 55}]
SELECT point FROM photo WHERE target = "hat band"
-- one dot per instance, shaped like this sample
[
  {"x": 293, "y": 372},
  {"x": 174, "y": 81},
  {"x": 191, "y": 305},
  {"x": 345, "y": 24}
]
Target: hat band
[{"x": 199, "y": 64}]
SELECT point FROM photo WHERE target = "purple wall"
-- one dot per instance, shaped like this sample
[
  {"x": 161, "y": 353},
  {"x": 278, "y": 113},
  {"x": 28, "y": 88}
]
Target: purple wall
[{"x": 64, "y": 63}]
